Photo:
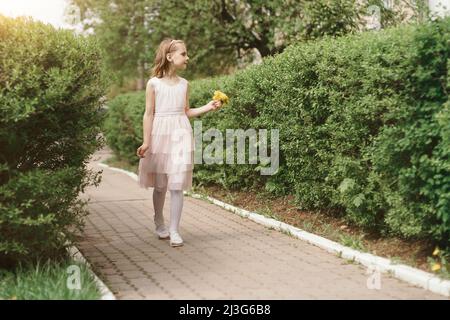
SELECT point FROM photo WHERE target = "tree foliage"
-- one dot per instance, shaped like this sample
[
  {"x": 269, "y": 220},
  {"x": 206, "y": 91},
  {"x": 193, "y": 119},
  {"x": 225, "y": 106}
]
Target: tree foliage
[{"x": 221, "y": 35}]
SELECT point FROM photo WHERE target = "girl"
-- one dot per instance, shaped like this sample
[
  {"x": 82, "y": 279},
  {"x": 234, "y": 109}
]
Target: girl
[{"x": 167, "y": 152}]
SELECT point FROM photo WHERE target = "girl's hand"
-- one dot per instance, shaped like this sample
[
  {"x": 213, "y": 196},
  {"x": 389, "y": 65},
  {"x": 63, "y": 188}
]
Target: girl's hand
[
  {"x": 215, "y": 104},
  {"x": 141, "y": 150}
]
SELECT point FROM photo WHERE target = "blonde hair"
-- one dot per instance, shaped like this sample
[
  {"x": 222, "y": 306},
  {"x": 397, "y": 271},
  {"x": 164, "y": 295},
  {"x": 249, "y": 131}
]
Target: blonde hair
[{"x": 161, "y": 64}]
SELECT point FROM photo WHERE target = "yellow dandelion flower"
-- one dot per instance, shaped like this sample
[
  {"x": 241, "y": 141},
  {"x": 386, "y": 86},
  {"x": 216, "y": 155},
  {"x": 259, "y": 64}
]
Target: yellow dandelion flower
[
  {"x": 436, "y": 267},
  {"x": 436, "y": 251},
  {"x": 219, "y": 95}
]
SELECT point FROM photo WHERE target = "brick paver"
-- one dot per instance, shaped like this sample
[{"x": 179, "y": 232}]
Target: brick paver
[{"x": 225, "y": 256}]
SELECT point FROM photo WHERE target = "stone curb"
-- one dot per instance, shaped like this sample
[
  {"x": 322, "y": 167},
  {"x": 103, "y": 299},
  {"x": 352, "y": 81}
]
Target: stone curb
[
  {"x": 406, "y": 273},
  {"x": 104, "y": 290}
]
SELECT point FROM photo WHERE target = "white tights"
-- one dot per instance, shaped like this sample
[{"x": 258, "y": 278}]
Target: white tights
[{"x": 176, "y": 206}]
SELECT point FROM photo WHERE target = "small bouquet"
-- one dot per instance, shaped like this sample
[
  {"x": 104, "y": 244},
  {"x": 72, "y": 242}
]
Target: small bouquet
[{"x": 222, "y": 97}]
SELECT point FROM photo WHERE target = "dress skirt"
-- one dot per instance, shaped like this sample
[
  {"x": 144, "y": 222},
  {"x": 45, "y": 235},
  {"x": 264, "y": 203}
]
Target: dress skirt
[{"x": 170, "y": 155}]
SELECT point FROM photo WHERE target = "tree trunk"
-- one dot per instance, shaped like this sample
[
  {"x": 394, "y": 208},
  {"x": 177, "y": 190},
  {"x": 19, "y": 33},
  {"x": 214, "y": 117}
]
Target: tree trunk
[{"x": 141, "y": 76}]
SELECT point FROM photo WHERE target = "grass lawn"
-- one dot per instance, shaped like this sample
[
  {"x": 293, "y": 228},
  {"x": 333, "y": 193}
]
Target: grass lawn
[{"x": 48, "y": 281}]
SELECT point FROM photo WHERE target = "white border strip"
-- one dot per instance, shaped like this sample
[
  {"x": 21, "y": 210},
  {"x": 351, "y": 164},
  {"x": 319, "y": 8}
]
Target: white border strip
[
  {"x": 104, "y": 290},
  {"x": 406, "y": 273}
]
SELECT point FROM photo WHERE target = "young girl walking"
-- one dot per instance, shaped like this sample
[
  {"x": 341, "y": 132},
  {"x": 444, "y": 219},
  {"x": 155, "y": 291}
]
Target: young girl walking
[{"x": 167, "y": 152}]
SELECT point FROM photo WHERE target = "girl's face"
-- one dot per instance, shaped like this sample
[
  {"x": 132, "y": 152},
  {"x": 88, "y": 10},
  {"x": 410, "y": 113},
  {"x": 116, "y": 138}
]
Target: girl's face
[{"x": 179, "y": 56}]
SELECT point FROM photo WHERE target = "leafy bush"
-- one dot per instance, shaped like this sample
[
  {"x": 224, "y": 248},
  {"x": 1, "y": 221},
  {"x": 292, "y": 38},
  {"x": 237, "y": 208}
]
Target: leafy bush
[
  {"x": 123, "y": 126},
  {"x": 50, "y": 88},
  {"x": 411, "y": 155}
]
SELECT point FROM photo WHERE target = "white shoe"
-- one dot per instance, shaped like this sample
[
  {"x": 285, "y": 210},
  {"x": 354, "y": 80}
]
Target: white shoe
[
  {"x": 175, "y": 239},
  {"x": 162, "y": 232}
]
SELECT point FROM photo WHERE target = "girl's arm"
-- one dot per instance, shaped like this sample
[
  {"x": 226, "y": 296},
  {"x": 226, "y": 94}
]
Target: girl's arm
[
  {"x": 195, "y": 112},
  {"x": 149, "y": 113}
]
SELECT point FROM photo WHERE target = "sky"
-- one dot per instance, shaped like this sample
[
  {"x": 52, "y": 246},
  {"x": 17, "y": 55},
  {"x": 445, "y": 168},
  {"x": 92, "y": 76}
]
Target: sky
[
  {"x": 441, "y": 7},
  {"x": 48, "y": 11}
]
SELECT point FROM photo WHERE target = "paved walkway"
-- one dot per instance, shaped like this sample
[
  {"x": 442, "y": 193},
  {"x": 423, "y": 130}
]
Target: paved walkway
[{"x": 224, "y": 256}]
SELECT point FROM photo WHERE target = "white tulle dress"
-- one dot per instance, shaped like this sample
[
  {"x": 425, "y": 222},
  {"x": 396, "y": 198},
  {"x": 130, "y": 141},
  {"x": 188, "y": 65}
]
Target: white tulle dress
[{"x": 171, "y": 151}]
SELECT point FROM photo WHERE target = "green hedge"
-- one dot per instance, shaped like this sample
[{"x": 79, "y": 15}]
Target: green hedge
[
  {"x": 50, "y": 85},
  {"x": 363, "y": 123},
  {"x": 123, "y": 125}
]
